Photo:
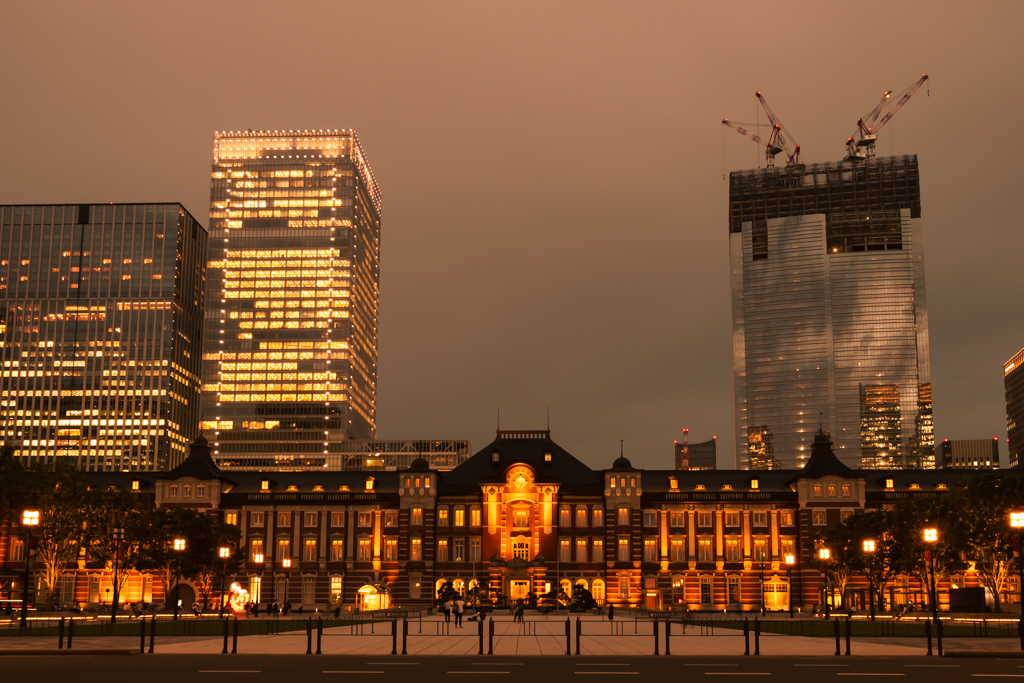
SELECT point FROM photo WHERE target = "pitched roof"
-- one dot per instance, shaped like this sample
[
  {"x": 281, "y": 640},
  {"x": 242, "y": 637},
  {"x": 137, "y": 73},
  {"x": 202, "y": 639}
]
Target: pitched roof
[
  {"x": 823, "y": 461},
  {"x": 526, "y": 448},
  {"x": 198, "y": 464}
]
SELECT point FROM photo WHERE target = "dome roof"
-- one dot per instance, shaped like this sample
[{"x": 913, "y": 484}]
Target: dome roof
[
  {"x": 419, "y": 463},
  {"x": 200, "y": 441},
  {"x": 622, "y": 463}
]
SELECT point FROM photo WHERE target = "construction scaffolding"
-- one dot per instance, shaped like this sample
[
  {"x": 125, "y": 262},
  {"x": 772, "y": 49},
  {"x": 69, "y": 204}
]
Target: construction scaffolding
[{"x": 356, "y": 455}]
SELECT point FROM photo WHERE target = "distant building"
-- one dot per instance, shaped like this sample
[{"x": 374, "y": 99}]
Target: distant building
[
  {"x": 1013, "y": 379},
  {"x": 101, "y": 327},
  {"x": 362, "y": 455},
  {"x": 761, "y": 449},
  {"x": 970, "y": 454},
  {"x": 697, "y": 456}
]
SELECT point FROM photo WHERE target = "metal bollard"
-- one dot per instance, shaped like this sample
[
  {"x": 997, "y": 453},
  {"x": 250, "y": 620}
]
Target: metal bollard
[
  {"x": 568, "y": 637},
  {"x": 757, "y": 637},
  {"x": 309, "y": 636},
  {"x": 928, "y": 635},
  {"x": 142, "y": 636},
  {"x": 480, "y": 634},
  {"x": 938, "y": 635},
  {"x": 746, "y": 637},
  {"x": 234, "y": 638},
  {"x": 668, "y": 636},
  {"x": 405, "y": 634},
  {"x": 848, "y": 636},
  {"x": 319, "y": 633},
  {"x": 60, "y": 634},
  {"x": 656, "y": 637},
  {"x": 579, "y": 630},
  {"x": 225, "y": 650},
  {"x": 71, "y": 633},
  {"x": 394, "y": 636},
  {"x": 490, "y": 637},
  {"x": 152, "y": 633},
  {"x": 1020, "y": 631},
  {"x": 835, "y": 623}
]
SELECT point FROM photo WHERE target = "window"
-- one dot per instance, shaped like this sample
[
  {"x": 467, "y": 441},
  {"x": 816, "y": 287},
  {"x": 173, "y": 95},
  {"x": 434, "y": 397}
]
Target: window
[
  {"x": 732, "y": 550},
  {"x": 831, "y": 488},
  {"x": 598, "y": 517},
  {"x": 284, "y": 548},
  {"x": 889, "y": 483},
  {"x": 755, "y": 484},
  {"x": 442, "y": 550},
  {"x": 460, "y": 516},
  {"x": 255, "y": 548},
  {"x": 365, "y": 519},
  {"x": 18, "y": 550},
  {"x": 337, "y": 550},
  {"x": 337, "y": 519},
  {"x": 786, "y": 518},
  {"x": 817, "y": 489},
  {"x": 186, "y": 490},
  {"x": 284, "y": 518},
  {"x": 564, "y": 517},
  {"x": 760, "y": 519},
  {"x": 676, "y": 550},
  {"x": 416, "y": 516},
  {"x": 732, "y": 518},
  {"x": 136, "y": 486},
  {"x": 390, "y": 549},
  {"x": 369, "y": 483},
  {"x": 845, "y": 489},
  {"x": 677, "y": 519},
  {"x": 788, "y": 548},
  {"x": 650, "y": 550},
  {"x": 474, "y": 517},
  {"x": 564, "y": 550},
  {"x": 264, "y": 485},
  {"x": 705, "y": 590},
  {"x": 309, "y": 591},
  {"x": 255, "y": 584},
  {"x": 442, "y": 516},
  {"x": 581, "y": 516},
  {"x": 845, "y": 515},
  {"x": 495, "y": 456},
  {"x": 581, "y": 550},
  {"x": 521, "y": 548},
  {"x": 547, "y": 457},
  {"x": 172, "y": 492},
  {"x": 624, "y": 555},
  {"x": 819, "y": 518},
  {"x": 416, "y": 549},
  {"x": 734, "y": 590},
  {"x": 623, "y": 587},
  {"x": 391, "y": 519},
  {"x": 650, "y": 518},
  {"x": 231, "y": 518},
  {"x": 309, "y": 550},
  {"x": 704, "y": 551},
  {"x": 311, "y": 519},
  {"x": 365, "y": 551},
  {"x": 598, "y": 550},
  {"x": 255, "y": 519},
  {"x": 200, "y": 491},
  {"x": 623, "y": 516},
  {"x": 336, "y": 584},
  {"x": 520, "y": 519},
  {"x": 760, "y": 550},
  {"x": 459, "y": 550},
  {"x": 703, "y": 519},
  {"x": 474, "y": 550}
]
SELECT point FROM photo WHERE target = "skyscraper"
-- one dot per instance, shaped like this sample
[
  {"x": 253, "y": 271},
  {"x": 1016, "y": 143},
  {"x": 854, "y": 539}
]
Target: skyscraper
[
  {"x": 101, "y": 327},
  {"x": 290, "y": 363},
  {"x": 1013, "y": 382},
  {"x": 970, "y": 454},
  {"x": 830, "y": 322}
]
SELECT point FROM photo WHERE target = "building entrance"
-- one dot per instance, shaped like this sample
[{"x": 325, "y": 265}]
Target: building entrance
[{"x": 518, "y": 590}]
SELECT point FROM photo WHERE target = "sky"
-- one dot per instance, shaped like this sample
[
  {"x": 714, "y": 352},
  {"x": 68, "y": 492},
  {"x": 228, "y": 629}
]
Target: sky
[{"x": 554, "y": 233}]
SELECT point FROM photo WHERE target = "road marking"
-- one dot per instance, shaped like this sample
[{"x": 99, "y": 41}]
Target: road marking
[
  {"x": 604, "y": 665},
  {"x": 496, "y": 664},
  {"x": 703, "y": 665},
  {"x": 737, "y": 673},
  {"x": 393, "y": 663},
  {"x": 821, "y": 665},
  {"x": 934, "y": 666},
  {"x": 861, "y": 673},
  {"x": 477, "y": 672},
  {"x": 352, "y": 672},
  {"x": 999, "y": 675},
  {"x": 227, "y": 671},
  {"x": 583, "y": 673}
]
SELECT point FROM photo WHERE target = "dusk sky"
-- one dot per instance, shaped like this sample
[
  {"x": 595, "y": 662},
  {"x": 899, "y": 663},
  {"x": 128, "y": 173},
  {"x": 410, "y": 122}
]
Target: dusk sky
[{"x": 554, "y": 204}]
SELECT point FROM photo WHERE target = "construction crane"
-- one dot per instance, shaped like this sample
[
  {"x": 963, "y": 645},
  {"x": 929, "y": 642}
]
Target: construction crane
[
  {"x": 777, "y": 141},
  {"x": 868, "y": 126}
]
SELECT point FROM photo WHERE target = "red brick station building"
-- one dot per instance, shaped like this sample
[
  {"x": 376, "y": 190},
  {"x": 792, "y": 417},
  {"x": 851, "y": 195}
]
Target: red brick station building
[{"x": 527, "y": 516}]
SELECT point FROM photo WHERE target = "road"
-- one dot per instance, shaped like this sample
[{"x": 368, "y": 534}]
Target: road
[{"x": 553, "y": 669}]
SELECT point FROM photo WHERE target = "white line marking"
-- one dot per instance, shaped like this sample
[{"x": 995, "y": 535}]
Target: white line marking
[
  {"x": 705, "y": 665},
  {"x": 584, "y": 673},
  {"x": 604, "y": 665},
  {"x": 821, "y": 665},
  {"x": 227, "y": 671},
  {"x": 393, "y": 663},
  {"x": 479, "y": 672},
  {"x": 999, "y": 675},
  {"x": 497, "y": 664},
  {"x": 352, "y": 672},
  {"x": 934, "y": 666},
  {"x": 737, "y": 673},
  {"x": 859, "y": 673}
]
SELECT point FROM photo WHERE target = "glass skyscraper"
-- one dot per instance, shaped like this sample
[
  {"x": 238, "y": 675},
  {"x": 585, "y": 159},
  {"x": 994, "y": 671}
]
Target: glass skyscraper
[
  {"x": 290, "y": 362},
  {"x": 830, "y": 322},
  {"x": 100, "y": 333}
]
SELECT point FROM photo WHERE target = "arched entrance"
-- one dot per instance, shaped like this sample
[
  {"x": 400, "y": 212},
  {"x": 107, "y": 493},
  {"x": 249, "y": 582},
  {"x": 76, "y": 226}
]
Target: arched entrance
[
  {"x": 185, "y": 593},
  {"x": 371, "y": 598},
  {"x": 598, "y": 591}
]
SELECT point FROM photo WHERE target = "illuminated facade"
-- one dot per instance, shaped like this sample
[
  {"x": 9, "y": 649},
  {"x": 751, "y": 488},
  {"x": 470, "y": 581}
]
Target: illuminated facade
[
  {"x": 828, "y": 301},
  {"x": 101, "y": 333},
  {"x": 1013, "y": 381},
  {"x": 970, "y": 454},
  {"x": 290, "y": 364}
]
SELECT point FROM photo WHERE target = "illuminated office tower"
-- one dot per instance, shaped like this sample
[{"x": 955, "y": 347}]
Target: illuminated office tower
[
  {"x": 101, "y": 329},
  {"x": 290, "y": 363},
  {"x": 1013, "y": 381},
  {"x": 830, "y": 322}
]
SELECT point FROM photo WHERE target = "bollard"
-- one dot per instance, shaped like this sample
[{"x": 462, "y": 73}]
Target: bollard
[
  {"x": 405, "y": 634},
  {"x": 309, "y": 636},
  {"x": 656, "y": 637},
  {"x": 394, "y": 636},
  {"x": 225, "y": 650},
  {"x": 568, "y": 637},
  {"x": 668, "y": 636},
  {"x": 746, "y": 637},
  {"x": 835, "y": 622},
  {"x": 71, "y": 632},
  {"x": 60, "y": 634},
  {"x": 319, "y": 633},
  {"x": 480, "y": 634},
  {"x": 1020, "y": 631},
  {"x": 847, "y": 635},
  {"x": 757, "y": 637},
  {"x": 234, "y": 637},
  {"x": 490, "y": 636},
  {"x": 152, "y": 633},
  {"x": 142, "y": 636},
  {"x": 579, "y": 629},
  {"x": 938, "y": 636},
  {"x": 928, "y": 635}
]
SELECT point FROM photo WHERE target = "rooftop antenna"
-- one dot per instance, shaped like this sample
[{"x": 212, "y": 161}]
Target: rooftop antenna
[
  {"x": 499, "y": 418},
  {"x": 549, "y": 418},
  {"x": 821, "y": 428},
  {"x": 620, "y": 448}
]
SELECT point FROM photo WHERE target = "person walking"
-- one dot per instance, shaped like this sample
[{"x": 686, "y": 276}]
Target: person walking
[
  {"x": 460, "y": 605},
  {"x": 611, "y": 612},
  {"x": 447, "y": 611}
]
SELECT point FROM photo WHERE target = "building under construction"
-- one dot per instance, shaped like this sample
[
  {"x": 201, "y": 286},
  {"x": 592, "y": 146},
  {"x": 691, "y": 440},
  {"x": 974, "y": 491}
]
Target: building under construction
[{"x": 354, "y": 455}]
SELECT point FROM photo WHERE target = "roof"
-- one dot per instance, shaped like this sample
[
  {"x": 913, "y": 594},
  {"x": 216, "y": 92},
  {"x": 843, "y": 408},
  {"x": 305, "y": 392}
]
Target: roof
[
  {"x": 823, "y": 461},
  {"x": 523, "y": 448},
  {"x": 198, "y": 464}
]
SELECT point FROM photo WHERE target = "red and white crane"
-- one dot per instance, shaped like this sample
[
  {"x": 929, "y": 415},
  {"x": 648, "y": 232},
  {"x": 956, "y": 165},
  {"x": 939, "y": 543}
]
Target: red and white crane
[
  {"x": 778, "y": 141},
  {"x": 868, "y": 126}
]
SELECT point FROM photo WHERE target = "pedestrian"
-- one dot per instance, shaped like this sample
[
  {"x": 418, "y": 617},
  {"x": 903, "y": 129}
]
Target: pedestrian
[
  {"x": 611, "y": 612},
  {"x": 287, "y": 607},
  {"x": 460, "y": 605},
  {"x": 448, "y": 611},
  {"x": 300, "y": 610},
  {"x": 195, "y": 609},
  {"x": 683, "y": 614}
]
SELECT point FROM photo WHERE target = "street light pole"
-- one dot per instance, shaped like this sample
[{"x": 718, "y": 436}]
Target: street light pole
[
  {"x": 869, "y": 548},
  {"x": 1017, "y": 522},
  {"x": 789, "y": 575},
  {"x": 29, "y": 519},
  {"x": 118, "y": 537},
  {"x": 931, "y": 536},
  {"x": 225, "y": 553},
  {"x": 823, "y": 556},
  {"x": 179, "y": 547}
]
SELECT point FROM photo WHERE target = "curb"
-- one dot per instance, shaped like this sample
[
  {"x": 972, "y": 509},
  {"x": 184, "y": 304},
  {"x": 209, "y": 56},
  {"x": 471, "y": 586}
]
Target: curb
[
  {"x": 977, "y": 654},
  {"x": 49, "y": 652}
]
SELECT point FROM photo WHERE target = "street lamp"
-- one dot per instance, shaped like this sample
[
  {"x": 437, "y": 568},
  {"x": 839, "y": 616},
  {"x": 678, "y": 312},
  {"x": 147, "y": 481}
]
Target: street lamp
[
  {"x": 258, "y": 559},
  {"x": 869, "y": 548},
  {"x": 179, "y": 547},
  {"x": 823, "y": 557},
  {"x": 29, "y": 519},
  {"x": 225, "y": 553},
  {"x": 931, "y": 536},
  {"x": 790, "y": 561},
  {"x": 118, "y": 537},
  {"x": 1017, "y": 522}
]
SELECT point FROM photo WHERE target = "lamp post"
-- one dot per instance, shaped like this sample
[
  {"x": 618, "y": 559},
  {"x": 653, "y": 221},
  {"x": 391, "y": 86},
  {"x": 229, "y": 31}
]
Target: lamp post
[
  {"x": 179, "y": 547},
  {"x": 116, "y": 575},
  {"x": 790, "y": 561},
  {"x": 823, "y": 556},
  {"x": 29, "y": 519},
  {"x": 224, "y": 553},
  {"x": 869, "y": 549},
  {"x": 258, "y": 558},
  {"x": 931, "y": 536},
  {"x": 762, "y": 586}
]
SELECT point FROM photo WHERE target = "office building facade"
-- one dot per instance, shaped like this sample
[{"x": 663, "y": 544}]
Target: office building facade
[
  {"x": 696, "y": 456},
  {"x": 290, "y": 365},
  {"x": 830, "y": 321},
  {"x": 970, "y": 454},
  {"x": 101, "y": 333},
  {"x": 1013, "y": 382}
]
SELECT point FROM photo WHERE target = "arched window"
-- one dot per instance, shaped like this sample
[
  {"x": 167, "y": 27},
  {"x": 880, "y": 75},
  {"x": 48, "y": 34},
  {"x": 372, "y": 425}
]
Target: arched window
[
  {"x": 598, "y": 591},
  {"x": 460, "y": 586}
]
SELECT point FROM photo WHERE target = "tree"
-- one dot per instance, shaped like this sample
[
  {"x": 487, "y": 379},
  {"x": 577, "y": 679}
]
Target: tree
[
  {"x": 115, "y": 509},
  {"x": 59, "y": 493},
  {"x": 843, "y": 546},
  {"x": 204, "y": 536},
  {"x": 886, "y": 560},
  {"x": 445, "y": 593},
  {"x": 160, "y": 557}
]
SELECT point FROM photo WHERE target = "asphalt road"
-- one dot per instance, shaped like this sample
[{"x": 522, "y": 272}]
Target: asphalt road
[{"x": 276, "y": 668}]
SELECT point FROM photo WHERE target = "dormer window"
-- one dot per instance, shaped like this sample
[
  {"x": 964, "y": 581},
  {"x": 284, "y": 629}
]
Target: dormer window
[
  {"x": 264, "y": 485},
  {"x": 889, "y": 483},
  {"x": 940, "y": 486},
  {"x": 318, "y": 487},
  {"x": 547, "y": 457},
  {"x": 136, "y": 485},
  {"x": 369, "y": 483},
  {"x": 915, "y": 487},
  {"x": 727, "y": 487},
  {"x": 754, "y": 484},
  {"x": 698, "y": 487},
  {"x": 293, "y": 488},
  {"x": 673, "y": 483},
  {"x": 495, "y": 456},
  {"x": 343, "y": 488}
]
